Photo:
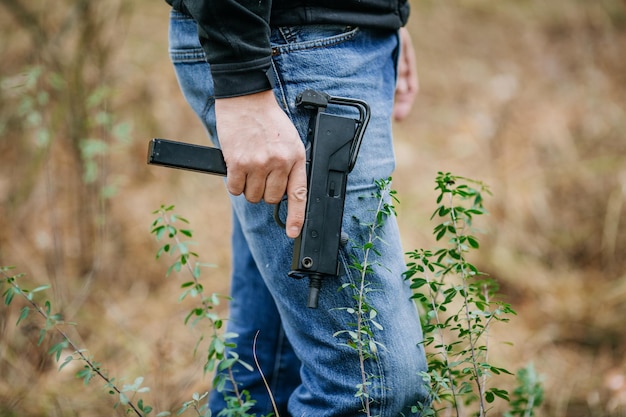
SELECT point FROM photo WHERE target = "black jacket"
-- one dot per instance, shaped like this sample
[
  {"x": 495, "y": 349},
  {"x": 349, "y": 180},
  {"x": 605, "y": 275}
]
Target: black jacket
[{"x": 235, "y": 33}]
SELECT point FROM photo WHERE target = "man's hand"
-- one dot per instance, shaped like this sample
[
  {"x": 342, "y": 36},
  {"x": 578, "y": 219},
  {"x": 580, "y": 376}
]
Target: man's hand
[
  {"x": 263, "y": 152},
  {"x": 407, "y": 85}
]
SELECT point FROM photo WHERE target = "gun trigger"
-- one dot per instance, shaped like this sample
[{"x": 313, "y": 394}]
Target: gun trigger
[{"x": 295, "y": 275}]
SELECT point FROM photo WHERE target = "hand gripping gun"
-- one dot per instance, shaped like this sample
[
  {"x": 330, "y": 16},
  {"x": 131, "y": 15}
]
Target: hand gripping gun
[{"x": 333, "y": 146}]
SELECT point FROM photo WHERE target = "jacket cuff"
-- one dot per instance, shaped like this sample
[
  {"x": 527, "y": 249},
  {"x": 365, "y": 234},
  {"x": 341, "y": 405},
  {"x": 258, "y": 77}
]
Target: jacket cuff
[{"x": 232, "y": 80}]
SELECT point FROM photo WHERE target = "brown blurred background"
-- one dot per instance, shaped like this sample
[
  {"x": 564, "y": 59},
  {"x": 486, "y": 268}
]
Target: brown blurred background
[{"x": 528, "y": 96}]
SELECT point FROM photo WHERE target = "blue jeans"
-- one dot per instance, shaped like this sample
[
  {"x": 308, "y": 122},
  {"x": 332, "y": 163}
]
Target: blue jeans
[{"x": 310, "y": 368}]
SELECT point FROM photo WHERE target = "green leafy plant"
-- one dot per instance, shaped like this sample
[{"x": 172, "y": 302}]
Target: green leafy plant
[
  {"x": 459, "y": 305},
  {"x": 360, "y": 336},
  {"x": 220, "y": 355},
  {"x": 53, "y": 322},
  {"x": 528, "y": 394},
  {"x": 217, "y": 359}
]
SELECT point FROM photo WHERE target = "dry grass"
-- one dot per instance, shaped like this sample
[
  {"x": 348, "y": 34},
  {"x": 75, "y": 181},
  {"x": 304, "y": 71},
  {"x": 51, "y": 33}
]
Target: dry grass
[{"x": 529, "y": 97}]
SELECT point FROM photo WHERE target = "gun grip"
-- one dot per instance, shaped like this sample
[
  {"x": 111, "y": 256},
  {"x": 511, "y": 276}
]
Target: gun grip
[{"x": 316, "y": 250}]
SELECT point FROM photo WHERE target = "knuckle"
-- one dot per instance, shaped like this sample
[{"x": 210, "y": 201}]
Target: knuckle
[
  {"x": 234, "y": 189},
  {"x": 298, "y": 194},
  {"x": 252, "y": 197},
  {"x": 272, "y": 199}
]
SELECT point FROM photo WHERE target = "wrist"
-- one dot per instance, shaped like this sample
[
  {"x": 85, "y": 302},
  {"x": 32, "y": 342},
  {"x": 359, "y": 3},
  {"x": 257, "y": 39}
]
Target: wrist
[{"x": 258, "y": 101}]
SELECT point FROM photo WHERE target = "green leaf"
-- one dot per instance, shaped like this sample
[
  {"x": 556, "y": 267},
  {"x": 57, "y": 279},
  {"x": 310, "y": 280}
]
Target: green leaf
[
  {"x": 441, "y": 233},
  {"x": 67, "y": 360},
  {"x": 23, "y": 314},
  {"x": 245, "y": 365},
  {"x": 418, "y": 283},
  {"x": 176, "y": 266},
  {"x": 57, "y": 349},
  {"x": 158, "y": 231},
  {"x": 144, "y": 407},
  {"x": 93, "y": 147},
  {"x": 501, "y": 393},
  {"x": 9, "y": 294},
  {"x": 40, "y": 288},
  {"x": 489, "y": 396},
  {"x": 121, "y": 131},
  {"x": 473, "y": 242},
  {"x": 218, "y": 345},
  {"x": 377, "y": 325},
  {"x": 42, "y": 335}
]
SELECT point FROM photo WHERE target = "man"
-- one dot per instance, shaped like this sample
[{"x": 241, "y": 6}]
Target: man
[{"x": 240, "y": 64}]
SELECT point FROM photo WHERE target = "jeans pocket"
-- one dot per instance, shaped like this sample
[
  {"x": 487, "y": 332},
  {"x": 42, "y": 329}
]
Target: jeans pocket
[{"x": 297, "y": 38}]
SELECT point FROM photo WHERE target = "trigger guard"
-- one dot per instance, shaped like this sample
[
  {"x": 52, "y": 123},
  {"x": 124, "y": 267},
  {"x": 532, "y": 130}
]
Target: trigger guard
[{"x": 277, "y": 218}]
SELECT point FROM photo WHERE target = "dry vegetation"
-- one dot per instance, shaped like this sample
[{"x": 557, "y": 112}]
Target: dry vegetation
[{"x": 527, "y": 96}]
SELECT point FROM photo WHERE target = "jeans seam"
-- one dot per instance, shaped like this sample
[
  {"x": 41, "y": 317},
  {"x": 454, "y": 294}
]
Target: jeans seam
[
  {"x": 277, "y": 364},
  {"x": 287, "y": 34},
  {"x": 279, "y": 87},
  {"x": 187, "y": 55}
]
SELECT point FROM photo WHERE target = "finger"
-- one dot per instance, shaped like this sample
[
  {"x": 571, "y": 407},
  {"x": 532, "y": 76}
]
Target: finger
[
  {"x": 408, "y": 83},
  {"x": 255, "y": 186},
  {"x": 235, "y": 181},
  {"x": 403, "y": 68},
  {"x": 402, "y": 109},
  {"x": 275, "y": 187},
  {"x": 296, "y": 199},
  {"x": 406, "y": 90},
  {"x": 403, "y": 100},
  {"x": 410, "y": 67},
  {"x": 402, "y": 86}
]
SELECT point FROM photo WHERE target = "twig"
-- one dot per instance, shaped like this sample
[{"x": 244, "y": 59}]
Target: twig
[
  {"x": 78, "y": 351},
  {"x": 258, "y": 366}
]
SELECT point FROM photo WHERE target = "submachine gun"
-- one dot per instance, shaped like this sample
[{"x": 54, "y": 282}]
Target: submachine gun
[{"x": 333, "y": 145}]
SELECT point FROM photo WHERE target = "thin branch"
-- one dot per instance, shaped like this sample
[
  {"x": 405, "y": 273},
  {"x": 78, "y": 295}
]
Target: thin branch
[
  {"x": 258, "y": 366},
  {"x": 472, "y": 340},
  {"x": 65, "y": 337}
]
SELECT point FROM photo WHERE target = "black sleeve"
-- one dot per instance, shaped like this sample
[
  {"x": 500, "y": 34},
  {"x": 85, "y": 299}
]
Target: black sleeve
[{"x": 235, "y": 37}]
